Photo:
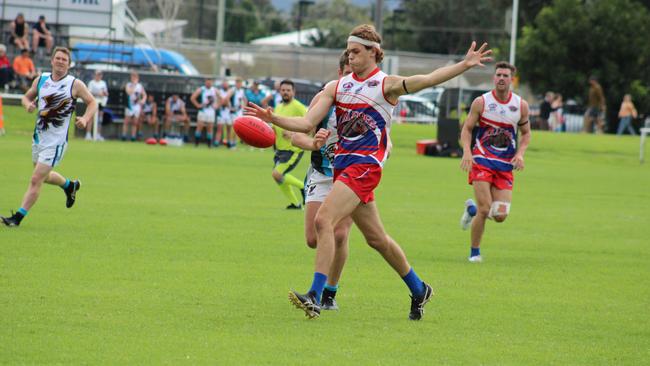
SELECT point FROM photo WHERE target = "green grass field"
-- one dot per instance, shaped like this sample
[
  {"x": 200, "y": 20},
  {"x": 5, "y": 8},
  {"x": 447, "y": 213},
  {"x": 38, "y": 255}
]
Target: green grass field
[{"x": 185, "y": 256}]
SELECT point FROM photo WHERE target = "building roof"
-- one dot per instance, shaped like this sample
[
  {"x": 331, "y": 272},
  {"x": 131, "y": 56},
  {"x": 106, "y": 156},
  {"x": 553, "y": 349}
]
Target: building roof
[{"x": 289, "y": 39}]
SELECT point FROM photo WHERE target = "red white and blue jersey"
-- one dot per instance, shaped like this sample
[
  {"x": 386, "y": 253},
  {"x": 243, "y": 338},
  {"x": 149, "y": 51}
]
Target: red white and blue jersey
[
  {"x": 363, "y": 119},
  {"x": 496, "y": 138}
]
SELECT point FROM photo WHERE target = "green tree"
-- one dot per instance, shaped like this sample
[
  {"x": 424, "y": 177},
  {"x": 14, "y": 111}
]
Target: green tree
[
  {"x": 334, "y": 20},
  {"x": 250, "y": 19},
  {"x": 449, "y": 26},
  {"x": 571, "y": 40}
]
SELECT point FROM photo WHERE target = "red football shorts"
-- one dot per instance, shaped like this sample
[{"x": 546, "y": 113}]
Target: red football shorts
[
  {"x": 499, "y": 179},
  {"x": 361, "y": 178}
]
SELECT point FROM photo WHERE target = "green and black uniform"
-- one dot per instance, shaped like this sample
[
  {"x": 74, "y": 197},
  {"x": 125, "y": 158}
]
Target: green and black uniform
[{"x": 288, "y": 156}]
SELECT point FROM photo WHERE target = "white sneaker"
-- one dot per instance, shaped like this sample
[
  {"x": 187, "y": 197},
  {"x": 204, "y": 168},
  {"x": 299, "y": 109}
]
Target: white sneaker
[
  {"x": 100, "y": 138},
  {"x": 88, "y": 137},
  {"x": 475, "y": 259},
  {"x": 466, "y": 219}
]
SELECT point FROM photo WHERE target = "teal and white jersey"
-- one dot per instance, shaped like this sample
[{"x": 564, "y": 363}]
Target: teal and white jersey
[
  {"x": 55, "y": 107},
  {"x": 138, "y": 91},
  {"x": 321, "y": 160},
  {"x": 208, "y": 98},
  {"x": 237, "y": 100}
]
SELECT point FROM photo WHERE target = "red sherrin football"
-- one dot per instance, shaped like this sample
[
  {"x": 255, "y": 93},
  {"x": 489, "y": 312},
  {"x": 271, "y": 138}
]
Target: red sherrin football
[{"x": 254, "y": 131}]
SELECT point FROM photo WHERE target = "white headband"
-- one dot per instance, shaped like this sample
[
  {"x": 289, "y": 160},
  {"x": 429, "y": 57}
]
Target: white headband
[{"x": 364, "y": 42}]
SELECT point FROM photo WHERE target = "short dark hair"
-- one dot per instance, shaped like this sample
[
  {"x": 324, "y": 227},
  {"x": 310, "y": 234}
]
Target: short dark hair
[
  {"x": 505, "y": 65},
  {"x": 288, "y": 82},
  {"x": 63, "y": 50}
]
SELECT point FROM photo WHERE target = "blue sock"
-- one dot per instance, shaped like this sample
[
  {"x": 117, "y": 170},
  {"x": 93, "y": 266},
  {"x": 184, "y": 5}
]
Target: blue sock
[
  {"x": 332, "y": 288},
  {"x": 22, "y": 211},
  {"x": 414, "y": 283},
  {"x": 471, "y": 210},
  {"x": 197, "y": 135},
  {"x": 475, "y": 251},
  {"x": 66, "y": 184},
  {"x": 318, "y": 284},
  {"x": 209, "y": 137}
]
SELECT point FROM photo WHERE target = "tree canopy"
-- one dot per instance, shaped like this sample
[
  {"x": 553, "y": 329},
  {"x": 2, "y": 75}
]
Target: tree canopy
[{"x": 571, "y": 40}]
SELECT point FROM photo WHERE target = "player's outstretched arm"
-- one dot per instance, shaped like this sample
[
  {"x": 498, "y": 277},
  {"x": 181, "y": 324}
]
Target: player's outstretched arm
[
  {"x": 307, "y": 142},
  {"x": 305, "y": 124},
  {"x": 524, "y": 128},
  {"x": 399, "y": 85},
  {"x": 466, "y": 133},
  {"x": 79, "y": 90}
]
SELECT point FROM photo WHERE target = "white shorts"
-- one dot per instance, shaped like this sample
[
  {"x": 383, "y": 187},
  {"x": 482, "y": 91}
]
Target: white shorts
[
  {"x": 48, "y": 155},
  {"x": 133, "y": 111},
  {"x": 225, "y": 118},
  {"x": 318, "y": 186},
  {"x": 206, "y": 115}
]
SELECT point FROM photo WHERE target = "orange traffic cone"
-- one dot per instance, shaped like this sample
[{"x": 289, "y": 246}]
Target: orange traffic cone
[{"x": 2, "y": 119}]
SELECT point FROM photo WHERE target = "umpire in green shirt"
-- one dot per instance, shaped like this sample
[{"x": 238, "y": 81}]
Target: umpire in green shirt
[{"x": 288, "y": 156}]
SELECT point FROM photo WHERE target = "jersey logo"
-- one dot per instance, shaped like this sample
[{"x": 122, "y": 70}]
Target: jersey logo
[
  {"x": 354, "y": 124},
  {"x": 513, "y": 108},
  {"x": 492, "y": 107},
  {"x": 359, "y": 89},
  {"x": 347, "y": 86},
  {"x": 57, "y": 107},
  {"x": 373, "y": 83}
]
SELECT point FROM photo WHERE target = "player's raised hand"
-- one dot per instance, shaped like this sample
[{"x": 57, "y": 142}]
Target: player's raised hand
[
  {"x": 320, "y": 138},
  {"x": 466, "y": 162},
  {"x": 476, "y": 57},
  {"x": 81, "y": 122},
  {"x": 518, "y": 162},
  {"x": 254, "y": 110}
]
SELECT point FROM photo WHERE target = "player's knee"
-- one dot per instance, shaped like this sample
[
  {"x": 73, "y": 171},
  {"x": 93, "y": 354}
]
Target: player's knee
[
  {"x": 483, "y": 210},
  {"x": 378, "y": 243},
  {"x": 36, "y": 180},
  {"x": 312, "y": 242},
  {"x": 499, "y": 211},
  {"x": 277, "y": 177},
  {"x": 322, "y": 223},
  {"x": 340, "y": 237}
]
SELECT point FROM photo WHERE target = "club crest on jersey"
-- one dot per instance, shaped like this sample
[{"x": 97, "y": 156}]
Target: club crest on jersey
[
  {"x": 492, "y": 107},
  {"x": 347, "y": 86},
  {"x": 513, "y": 108},
  {"x": 373, "y": 83}
]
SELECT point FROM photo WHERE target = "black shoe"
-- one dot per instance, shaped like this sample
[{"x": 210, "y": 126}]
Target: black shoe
[
  {"x": 306, "y": 302},
  {"x": 294, "y": 207},
  {"x": 71, "y": 193},
  {"x": 418, "y": 302},
  {"x": 328, "y": 302},
  {"x": 13, "y": 220}
]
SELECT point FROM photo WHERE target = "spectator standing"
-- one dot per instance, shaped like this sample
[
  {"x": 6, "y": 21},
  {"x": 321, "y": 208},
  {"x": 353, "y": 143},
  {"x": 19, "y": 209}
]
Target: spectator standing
[
  {"x": 545, "y": 111},
  {"x": 254, "y": 94},
  {"x": 596, "y": 107},
  {"x": 41, "y": 36},
  {"x": 626, "y": 114},
  {"x": 24, "y": 70},
  {"x": 99, "y": 91},
  {"x": 556, "y": 120},
  {"x": 19, "y": 32},
  {"x": 6, "y": 73}
]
